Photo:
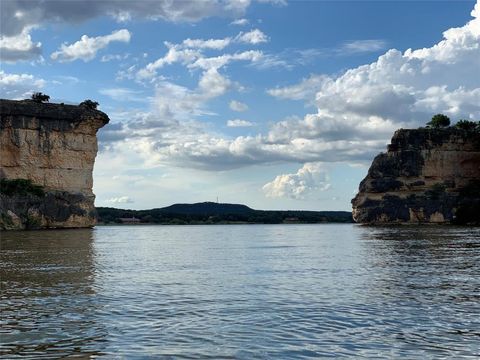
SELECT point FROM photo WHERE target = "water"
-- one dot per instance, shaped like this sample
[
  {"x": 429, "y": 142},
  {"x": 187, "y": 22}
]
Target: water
[{"x": 244, "y": 292}]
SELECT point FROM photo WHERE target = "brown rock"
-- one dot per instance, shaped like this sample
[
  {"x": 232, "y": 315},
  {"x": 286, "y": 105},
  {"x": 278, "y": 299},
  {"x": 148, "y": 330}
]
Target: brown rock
[
  {"x": 426, "y": 176},
  {"x": 54, "y": 146}
]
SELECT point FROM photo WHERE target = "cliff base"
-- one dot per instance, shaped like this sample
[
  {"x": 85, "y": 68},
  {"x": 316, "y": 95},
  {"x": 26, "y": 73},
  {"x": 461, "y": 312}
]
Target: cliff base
[{"x": 55, "y": 209}]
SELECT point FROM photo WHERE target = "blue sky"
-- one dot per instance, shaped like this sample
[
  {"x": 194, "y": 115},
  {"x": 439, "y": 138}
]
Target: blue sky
[{"x": 275, "y": 104}]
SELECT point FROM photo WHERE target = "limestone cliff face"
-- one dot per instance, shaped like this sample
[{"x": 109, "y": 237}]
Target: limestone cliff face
[
  {"x": 54, "y": 146},
  {"x": 426, "y": 176}
]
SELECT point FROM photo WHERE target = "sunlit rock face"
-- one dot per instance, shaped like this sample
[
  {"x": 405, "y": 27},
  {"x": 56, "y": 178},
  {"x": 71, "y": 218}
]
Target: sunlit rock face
[
  {"x": 54, "y": 146},
  {"x": 426, "y": 176}
]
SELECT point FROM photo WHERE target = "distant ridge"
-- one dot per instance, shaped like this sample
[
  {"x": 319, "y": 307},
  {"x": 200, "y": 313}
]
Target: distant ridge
[
  {"x": 218, "y": 213},
  {"x": 207, "y": 208}
]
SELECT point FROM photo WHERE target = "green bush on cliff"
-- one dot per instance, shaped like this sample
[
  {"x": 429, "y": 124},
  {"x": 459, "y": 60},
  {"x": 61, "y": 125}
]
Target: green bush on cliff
[
  {"x": 439, "y": 121},
  {"x": 468, "y": 125},
  {"x": 90, "y": 104},
  {"x": 20, "y": 187},
  {"x": 40, "y": 97}
]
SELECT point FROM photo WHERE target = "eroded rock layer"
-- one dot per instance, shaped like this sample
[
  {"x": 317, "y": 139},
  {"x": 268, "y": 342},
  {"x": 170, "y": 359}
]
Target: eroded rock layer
[
  {"x": 426, "y": 176},
  {"x": 54, "y": 146}
]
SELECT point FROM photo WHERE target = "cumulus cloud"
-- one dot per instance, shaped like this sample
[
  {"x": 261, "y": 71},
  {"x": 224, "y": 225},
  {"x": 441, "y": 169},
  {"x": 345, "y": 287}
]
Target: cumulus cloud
[
  {"x": 357, "y": 111},
  {"x": 305, "y": 90},
  {"x": 310, "y": 177},
  {"x": 216, "y": 44},
  {"x": 189, "y": 53},
  {"x": 239, "y": 123},
  {"x": 120, "y": 200},
  {"x": 217, "y": 62},
  {"x": 179, "y": 102},
  {"x": 253, "y": 37},
  {"x": 175, "y": 54},
  {"x": 19, "y": 47},
  {"x": 237, "y": 106},
  {"x": 240, "y": 22},
  {"x": 87, "y": 47},
  {"x": 19, "y": 86},
  {"x": 19, "y": 15}
]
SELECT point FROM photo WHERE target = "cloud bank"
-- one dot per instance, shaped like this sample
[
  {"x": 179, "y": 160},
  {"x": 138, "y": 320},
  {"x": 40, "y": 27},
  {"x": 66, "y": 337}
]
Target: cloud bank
[
  {"x": 18, "y": 15},
  {"x": 357, "y": 112}
]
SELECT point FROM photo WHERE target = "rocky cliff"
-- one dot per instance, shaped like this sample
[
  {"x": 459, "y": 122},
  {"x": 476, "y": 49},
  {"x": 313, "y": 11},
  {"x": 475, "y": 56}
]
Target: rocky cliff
[
  {"x": 51, "y": 147},
  {"x": 426, "y": 176}
]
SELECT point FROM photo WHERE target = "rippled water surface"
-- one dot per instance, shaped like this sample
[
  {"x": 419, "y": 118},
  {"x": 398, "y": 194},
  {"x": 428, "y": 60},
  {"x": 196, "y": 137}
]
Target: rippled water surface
[{"x": 267, "y": 291}]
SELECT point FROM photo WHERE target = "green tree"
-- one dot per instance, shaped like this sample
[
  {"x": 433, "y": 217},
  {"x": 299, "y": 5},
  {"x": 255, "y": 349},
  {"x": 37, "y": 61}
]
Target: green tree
[
  {"x": 439, "y": 121},
  {"x": 89, "y": 104},
  {"x": 40, "y": 97},
  {"x": 467, "y": 125}
]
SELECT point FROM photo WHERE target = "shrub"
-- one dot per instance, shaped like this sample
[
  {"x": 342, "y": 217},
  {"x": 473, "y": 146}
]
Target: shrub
[
  {"x": 40, "y": 97},
  {"x": 439, "y": 121},
  {"x": 467, "y": 125},
  {"x": 89, "y": 104}
]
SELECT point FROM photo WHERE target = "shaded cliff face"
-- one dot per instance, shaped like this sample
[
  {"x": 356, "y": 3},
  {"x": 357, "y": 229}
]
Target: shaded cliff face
[
  {"x": 54, "y": 146},
  {"x": 427, "y": 175}
]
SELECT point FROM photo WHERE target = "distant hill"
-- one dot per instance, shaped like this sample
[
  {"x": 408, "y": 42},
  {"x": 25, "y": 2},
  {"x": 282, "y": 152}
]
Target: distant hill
[
  {"x": 207, "y": 208},
  {"x": 217, "y": 213}
]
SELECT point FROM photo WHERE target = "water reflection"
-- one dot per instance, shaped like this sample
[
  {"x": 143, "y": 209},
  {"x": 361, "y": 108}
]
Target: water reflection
[
  {"x": 48, "y": 297},
  {"x": 276, "y": 291},
  {"x": 426, "y": 279}
]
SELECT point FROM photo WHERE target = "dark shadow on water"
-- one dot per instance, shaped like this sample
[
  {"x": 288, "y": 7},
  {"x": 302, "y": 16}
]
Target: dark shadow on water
[{"x": 48, "y": 297}]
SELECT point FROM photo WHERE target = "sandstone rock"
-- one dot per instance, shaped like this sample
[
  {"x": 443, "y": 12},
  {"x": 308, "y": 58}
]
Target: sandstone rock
[
  {"x": 54, "y": 146},
  {"x": 426, "y": 176}
]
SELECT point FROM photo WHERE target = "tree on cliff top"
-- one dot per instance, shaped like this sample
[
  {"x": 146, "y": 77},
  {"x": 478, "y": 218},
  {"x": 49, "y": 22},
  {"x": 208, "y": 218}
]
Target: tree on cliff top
[
  {"x": 40, "y": 97},
  {"x": 468, "y": 125},
  {"x": 89, "y": 104},
  {"x": 439, "y": 121}
]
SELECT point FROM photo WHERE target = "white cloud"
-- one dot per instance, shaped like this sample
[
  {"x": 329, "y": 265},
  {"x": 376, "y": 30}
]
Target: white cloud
[
  {"x": 240, "y": 22},
  {"x": 189, "y": 53},
  {"x": 178, "y": 102},
  {"x": 17, "y": 15},
  {"x": 19, "y": 86},
  {"x": 239, "y": 123},
  {"x": 86, "y": 48},
  {"x": 312, "y": 176},
  {"x": 274, "y": 2},
  {"x": 253, "y": 37},
  {"x": 216, "y": 44},
  {"x": 123, "y": 94},
  {"x": 175, "y": 54},
  {"x": 357, "y": 111},
  {"x": 19, "y": 47},
  {"x": 116, "y": 57},
  {"x": 238, "y": 106},
  {"x": 120, "y": 200},
  {"x": 361, "y": 46},
  {"x": 222, "y": 60},
  {"x": 305, "y": 90}
]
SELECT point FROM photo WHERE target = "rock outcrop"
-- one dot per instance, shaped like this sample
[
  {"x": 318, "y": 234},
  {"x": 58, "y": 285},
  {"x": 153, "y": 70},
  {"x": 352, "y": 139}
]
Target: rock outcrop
[
  {"x": 426, "y": 176},
  {"x": 52, "y": 146}
]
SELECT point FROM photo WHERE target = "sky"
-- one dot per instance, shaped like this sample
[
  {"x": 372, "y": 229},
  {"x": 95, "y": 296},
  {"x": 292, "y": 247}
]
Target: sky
[{"x": 269, "y": 103}]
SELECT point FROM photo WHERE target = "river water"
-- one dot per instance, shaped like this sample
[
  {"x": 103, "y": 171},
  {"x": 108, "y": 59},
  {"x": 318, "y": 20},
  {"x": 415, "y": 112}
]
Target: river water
[{"x": 243, "y": 292}]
